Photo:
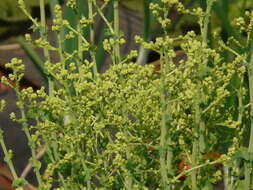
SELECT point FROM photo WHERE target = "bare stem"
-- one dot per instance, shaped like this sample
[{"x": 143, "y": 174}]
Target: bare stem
[
  {"x": 116, "y": 30},
  {"x": 247, "y": 166},
  {"x": 165, "y": 140},
  {"x": 7, "y": 156},
  {"x": 92, "y": 38},
  {"x": 43, "y": 34}
]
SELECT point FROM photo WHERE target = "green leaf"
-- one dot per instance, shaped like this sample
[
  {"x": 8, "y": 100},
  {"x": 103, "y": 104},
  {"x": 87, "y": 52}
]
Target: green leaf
[
  {"x": 240, "y": 185},
  {"x": 244, "y": 154},
  {"x": 19, "y": 182}
]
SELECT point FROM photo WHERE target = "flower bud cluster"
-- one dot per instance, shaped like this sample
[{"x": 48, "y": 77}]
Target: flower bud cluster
[
  {"x": 108, "y": 127},
  {"x": 58, "y": 21},
  {"x": 109, "y": 44},
  {"x": 245, "y": 24},
  {"x": 71, "y": 4},
  {"x": 84, "y": 22},
  {"x": 18, "y": 72},
  {"x": 2, "y": 105}
]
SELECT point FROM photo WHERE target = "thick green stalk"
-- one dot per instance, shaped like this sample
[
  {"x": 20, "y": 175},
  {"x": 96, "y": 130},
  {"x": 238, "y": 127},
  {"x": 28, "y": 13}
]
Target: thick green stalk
[
  {"x": 204, "y": 28},
  {"x": 248, "y": 165},
  {"x": 143, "y": 53},
  {"x": 129, "y": 179},
  {"x": 226, "y": 177},
  {"x": 43, "y": 33},
  {"x": 236, "y": 164},
  {"x": 165, "y": 153},
  {"x": 196, "y": 142},
  {"x": 80, "y": 52},
  {"x": 169, "y": 155},
  {"x": 116, "y": 30},
  {"x": 199, "y": 125},
  {"x": 60, "y": 46},
  {"x": 92, "y": 38},
  {"x": 204, "y": 35},
  {"x": 163, "y": 168},
  {"x": 167, "y": 113}
]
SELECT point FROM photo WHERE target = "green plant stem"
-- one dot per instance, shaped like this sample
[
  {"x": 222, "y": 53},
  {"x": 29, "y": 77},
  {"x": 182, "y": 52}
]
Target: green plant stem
[
  {"x": 52, "y": 4},
  {"x": 7, "y": 156},
  {"x": 116, "y": 30},
  {"x": 148, "y": 21},
  {"x": 34, "y": 57},
  {"x": 43, "y": 33},
  {"x": 43, "y": 24},
  {"x": 47, "y": 57},
  {"x": 87, "y": 177},
  {"x": 199, "y": 126},
  {"x": 169, "y": 156},
  {"x": 226, "y": 177},
  {"x": 100, "y": 54},
  {"x": 199, "y": 145},
  {"x": 129, "y": 180},
  {"x": 80, "y": 52},
  {"x": 204, "y": 35},
  {"x": 76, "y": 32},
  {"x": 196, "y": 143},
  {"x": 204, "y": 32},
  {"x": 60, "y": 47},
  {"x": 51, "y": 157},
  {"x": 165, "y": 154},
  {"x": 92, "y": 39},
  {"x": 197, "y": 167},
  {"x": 32, "y": 143},
  {"x": 105, "y": 19},
  {"x": 248, "y": 165},
  {"x": 168, "y": 115},
  {"x": 230, "y": 181},
  {"x": 80, "y": 153},
  {"x": 23, "y": 8}
]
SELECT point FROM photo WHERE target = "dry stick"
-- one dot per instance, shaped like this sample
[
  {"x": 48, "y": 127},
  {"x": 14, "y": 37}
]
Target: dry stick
[{"x": 7, "y": 47}]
